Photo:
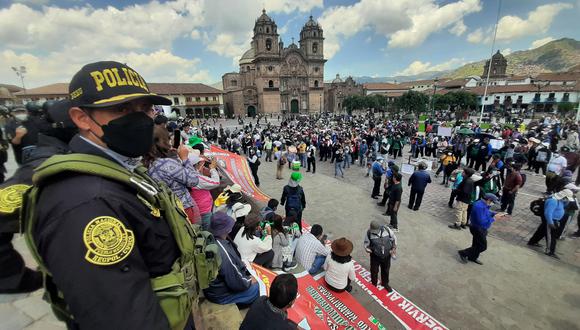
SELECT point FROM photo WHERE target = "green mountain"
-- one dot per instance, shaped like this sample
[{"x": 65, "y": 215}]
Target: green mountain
[{"x": 555, "y": 56}]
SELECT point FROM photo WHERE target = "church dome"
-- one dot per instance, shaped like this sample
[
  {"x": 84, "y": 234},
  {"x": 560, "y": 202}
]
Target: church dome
[
  {"x": 311, "y": 23},
  {"x": 264, "y": 18},
  {"x": 248, "y": 56},
  {"x": 337, "y": 80}
]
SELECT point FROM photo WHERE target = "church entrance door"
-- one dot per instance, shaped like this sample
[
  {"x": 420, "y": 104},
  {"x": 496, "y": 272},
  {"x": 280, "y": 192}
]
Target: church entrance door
[
  {"x": 251, "y": 111},
  {"x": 294, "y": 106}
]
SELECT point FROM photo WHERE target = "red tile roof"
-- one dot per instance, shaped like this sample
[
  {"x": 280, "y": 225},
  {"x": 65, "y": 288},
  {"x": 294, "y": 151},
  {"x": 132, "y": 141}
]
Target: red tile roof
[
  {"x": 521, "y": 89},
  {"x": 53, "y": 89},
  {"x": 384, "y": 86}
]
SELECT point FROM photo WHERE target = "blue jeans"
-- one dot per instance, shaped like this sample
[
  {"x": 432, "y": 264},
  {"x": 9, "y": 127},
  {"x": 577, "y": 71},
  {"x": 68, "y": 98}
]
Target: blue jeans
[
  {"x": 347, "y": 160},
  {"x": 243, "y": 298},
  {"x": 303, "y": 160},
  {"x": 317, "y": 264},
  {"x": 337, "y": 168}
]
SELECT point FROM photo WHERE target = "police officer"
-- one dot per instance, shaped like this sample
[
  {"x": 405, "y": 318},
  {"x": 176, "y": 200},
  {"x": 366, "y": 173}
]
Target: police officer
[
  {"x": 55, "y": 133},
  {"x": 106, "y": 245},
  {"x": 22, "y": 132}
]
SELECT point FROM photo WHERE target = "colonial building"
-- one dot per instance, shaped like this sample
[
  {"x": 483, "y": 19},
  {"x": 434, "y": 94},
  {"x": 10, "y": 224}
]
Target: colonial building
[
  {"x": 498, "y": 66},
  {"x": 273, "y": 78},
  {"x": 337, "y": 90},
  {"x": 193, "y": 99}
]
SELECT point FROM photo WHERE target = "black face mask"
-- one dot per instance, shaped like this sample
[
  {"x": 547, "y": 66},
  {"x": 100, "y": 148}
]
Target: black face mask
[{"x": 130, "y": 135}]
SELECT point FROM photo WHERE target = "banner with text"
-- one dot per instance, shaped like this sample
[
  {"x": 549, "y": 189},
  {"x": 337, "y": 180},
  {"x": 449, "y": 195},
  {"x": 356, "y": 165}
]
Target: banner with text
[{"x": 317, "y": 307}]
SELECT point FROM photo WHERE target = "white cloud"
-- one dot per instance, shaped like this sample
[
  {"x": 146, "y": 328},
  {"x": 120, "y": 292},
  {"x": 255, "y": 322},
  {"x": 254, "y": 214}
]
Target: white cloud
[
  {"x": 226, "y": 45},
  {"x": 507, "y": 51},
  {"x": 419, "y": 67},
  {"x": 480, "y": 36},
  {"x": 55, "y": 42},
  {"x": 407, "y": 23},
  {"x": 541, "y": 42},
  {"x": 538, "y": 21},
  {"x": 458, "y": 29}
]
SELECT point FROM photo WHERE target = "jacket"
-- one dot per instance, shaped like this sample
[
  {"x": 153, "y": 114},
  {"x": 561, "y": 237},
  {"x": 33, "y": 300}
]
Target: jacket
[
  {"x": 179, "y": 176},
  {"x": 465, "y": 190},
  {"x": 278, "y": 242},
  {"x": 201, "y": 192},
  {"x": 481, "y": 216},
  {"x": 419, "y": 180},
  {"x": 69, "y": 206},
  {"x": 233, "y": 275},
  {"x": 293, "y": 190}
]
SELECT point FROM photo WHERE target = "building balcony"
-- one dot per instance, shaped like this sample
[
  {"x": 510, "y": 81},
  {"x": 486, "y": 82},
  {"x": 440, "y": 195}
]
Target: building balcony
[
  {"x": 565, "y": 99},
  {"x": 202, "y": 103},
  {"x": 550, "y": 100},
  {"x": 536, "y": 100}
]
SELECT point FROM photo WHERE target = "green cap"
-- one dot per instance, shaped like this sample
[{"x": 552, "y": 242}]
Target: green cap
[
  {"x": 194, "y": 140},
  {"x": 296, "y": 176}
]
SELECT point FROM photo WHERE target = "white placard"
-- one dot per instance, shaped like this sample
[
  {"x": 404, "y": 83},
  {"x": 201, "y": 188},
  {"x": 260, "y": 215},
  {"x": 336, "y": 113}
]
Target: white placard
[
  {"x": 444, "y": 131},
  {"x": 407, "y": 168},
  {"x": 496, "y": 144}
]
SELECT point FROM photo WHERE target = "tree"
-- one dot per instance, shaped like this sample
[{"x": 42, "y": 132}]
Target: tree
[
  {"x": 441, "y": 101},
  {"x": 413, "y": 102},
  {"x": 565, "y": 108},
  {"x": 462, "y": 100}
]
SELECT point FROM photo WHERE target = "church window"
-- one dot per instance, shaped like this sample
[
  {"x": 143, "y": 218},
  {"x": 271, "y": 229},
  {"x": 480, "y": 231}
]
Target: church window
[
  {"x": 316, "y": 83},
  {"x": 315, "y": 33},
  {"x": 315, "y": 47},
  {"x": 234, "y": 83},
  {"x": 270, "y": 84},
  {"x": 270, "y": 68},
  {"x": 267, "y": 30},
  {"x": 248, "y": 68},
  {"x": 316, "y": 69},
  {"x": 268, "y": 44}
]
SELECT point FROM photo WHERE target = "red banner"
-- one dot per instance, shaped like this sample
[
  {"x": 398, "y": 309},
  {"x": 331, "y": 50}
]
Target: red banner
[
  {"x": 237, "y": 169},
  {"x": 317, "y": 307}
]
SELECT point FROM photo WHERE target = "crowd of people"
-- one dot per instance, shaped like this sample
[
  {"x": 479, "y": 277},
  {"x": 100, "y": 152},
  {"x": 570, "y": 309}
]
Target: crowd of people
[{"x": 123, "y": 194}]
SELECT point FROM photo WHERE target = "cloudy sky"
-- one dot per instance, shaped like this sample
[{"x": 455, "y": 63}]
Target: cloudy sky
[{"x": 199, "y": 40}]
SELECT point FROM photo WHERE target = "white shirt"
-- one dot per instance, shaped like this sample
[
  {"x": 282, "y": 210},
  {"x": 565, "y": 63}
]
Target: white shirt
[
  {"x": 249, "y": 248},
  {"x": 307, "y": 248},
  {"x": 557, "y": 165},
  {"x": 337, "y": 273}
]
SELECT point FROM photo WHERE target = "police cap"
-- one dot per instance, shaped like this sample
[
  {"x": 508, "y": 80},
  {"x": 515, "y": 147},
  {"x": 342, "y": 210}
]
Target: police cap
[{"x": 108, "y": 83}]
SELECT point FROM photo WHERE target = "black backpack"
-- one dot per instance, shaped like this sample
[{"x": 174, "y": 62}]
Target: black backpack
[
  {"x": 537, "y": 206},
  {"x": 381, "y": 246},
  {"x": 294, "y": 200}
]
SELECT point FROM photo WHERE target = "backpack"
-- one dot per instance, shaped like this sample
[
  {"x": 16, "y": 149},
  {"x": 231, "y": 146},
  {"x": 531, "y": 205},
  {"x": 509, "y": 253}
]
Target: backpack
[
  {"x": 542, "y": 156},
  {"x": 293, "y": 200},
  {"x": 199, "y": 260},
  {"x": 381, "y": 246},
  {"x": 537, "y": 206}
]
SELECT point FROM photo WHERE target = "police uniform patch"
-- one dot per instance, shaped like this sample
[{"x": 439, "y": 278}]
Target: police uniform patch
[
  {"x": 11, "y": 197},
  {"x": 108, "y": 241}
]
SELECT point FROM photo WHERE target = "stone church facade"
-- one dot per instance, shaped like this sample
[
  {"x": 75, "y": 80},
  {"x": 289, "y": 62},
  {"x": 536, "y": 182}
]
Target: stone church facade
[{"x": 277, "y": 79}]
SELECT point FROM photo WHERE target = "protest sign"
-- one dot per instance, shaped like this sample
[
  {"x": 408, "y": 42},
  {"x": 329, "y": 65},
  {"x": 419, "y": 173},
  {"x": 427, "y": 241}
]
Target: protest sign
[{"x": 318, "y": 307}]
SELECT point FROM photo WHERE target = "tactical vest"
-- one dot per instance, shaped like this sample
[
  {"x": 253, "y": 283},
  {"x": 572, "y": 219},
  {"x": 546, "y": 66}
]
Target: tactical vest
[{"x": 199, "y": 260}]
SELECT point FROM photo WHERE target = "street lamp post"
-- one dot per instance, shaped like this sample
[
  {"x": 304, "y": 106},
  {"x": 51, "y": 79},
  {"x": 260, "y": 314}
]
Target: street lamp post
[
  {"x": 20, "y": 72},
  {"x": 539, "y": 85},
  {"x": 433, "y": 96}
]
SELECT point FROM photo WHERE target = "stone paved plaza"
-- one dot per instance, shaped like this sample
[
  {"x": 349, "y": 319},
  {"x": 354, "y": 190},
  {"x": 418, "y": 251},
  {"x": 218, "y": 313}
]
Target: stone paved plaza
[{"x": 516, "y": 288}]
